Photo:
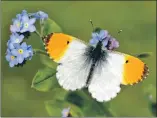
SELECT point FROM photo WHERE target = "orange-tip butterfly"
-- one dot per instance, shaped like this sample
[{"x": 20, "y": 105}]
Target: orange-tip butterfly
[{"x": 82, "y": 65}]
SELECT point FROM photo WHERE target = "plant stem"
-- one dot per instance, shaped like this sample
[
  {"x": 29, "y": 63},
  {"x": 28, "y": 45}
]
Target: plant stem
[
  {"x": 38, "y": 34},
  {"x": 38, "y": 51},
  {"x": 41, "y": 27}
]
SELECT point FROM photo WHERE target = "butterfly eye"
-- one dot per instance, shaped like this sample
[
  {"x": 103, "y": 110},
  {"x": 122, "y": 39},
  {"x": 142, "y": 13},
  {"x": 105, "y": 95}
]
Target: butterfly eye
[
  {"x": 126, "y": 61},
  {"x": 68, "y": 42}
]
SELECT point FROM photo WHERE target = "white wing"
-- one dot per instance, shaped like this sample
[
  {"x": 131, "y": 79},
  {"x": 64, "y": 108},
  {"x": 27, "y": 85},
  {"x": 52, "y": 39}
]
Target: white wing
[
  {"x": 72, "y": 72},
  {"x": 105, "y": 82}
]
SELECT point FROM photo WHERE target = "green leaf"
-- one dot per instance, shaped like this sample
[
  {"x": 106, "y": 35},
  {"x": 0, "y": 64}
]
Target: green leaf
[
  {"x": 59, "y": 93},
  {"x": 87, "y": 104},
  {"x": 78, "y": 98},
  {"x": 45, "y": 79},
  {"x": 50, "y": 26},
  {"x": 47, "y": 61},
  {"x": 144, "y": 55},
  {"x": 55, "y": 107}
]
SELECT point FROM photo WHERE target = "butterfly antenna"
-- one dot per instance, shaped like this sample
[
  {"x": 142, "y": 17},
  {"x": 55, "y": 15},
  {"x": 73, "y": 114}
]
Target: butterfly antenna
[{"x": 91, "y": 24}]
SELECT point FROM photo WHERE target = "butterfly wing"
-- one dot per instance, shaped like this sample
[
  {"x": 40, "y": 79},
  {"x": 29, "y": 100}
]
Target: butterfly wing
[
  {"x": 69, "y": 53},
  {"x": 72, "y": 72},
  {"x": 134, "y": 70},
  {"x": 105, "y": 83}
]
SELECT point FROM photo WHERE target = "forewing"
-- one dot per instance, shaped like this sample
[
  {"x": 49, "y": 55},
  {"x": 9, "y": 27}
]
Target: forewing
[{"x": 72, "y": 71}]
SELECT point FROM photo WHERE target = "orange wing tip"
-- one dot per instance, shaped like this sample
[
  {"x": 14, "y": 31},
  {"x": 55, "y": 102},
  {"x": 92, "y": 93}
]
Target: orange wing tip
[
  {"x": 46, "y": 41},
  {"x": 47, "y": 38},
  {"x": 144, "y": 75},
  {"x": 145, "y": 72}
]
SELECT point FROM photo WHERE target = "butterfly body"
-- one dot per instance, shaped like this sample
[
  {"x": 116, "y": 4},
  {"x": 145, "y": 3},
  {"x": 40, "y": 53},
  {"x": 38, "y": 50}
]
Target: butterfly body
[
  {"x": 97, "y": 56},
  {"x": 82, "y": 65}
]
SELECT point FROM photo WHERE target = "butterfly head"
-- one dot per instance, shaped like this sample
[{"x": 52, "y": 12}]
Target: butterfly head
[{"x": 134, "y": 70}]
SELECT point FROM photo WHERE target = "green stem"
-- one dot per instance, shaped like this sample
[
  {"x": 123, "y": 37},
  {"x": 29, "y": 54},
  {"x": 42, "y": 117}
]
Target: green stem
[
  {"x": 38, "y": 51},
  {"x": 41, "y": 27},
  {"x": 42, "y": 30},
  {"x": 38, "y": 34}
]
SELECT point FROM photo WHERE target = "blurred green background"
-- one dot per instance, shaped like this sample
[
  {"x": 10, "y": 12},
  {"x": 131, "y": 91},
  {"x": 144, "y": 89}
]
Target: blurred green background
[{"x": 136, "y": 19}]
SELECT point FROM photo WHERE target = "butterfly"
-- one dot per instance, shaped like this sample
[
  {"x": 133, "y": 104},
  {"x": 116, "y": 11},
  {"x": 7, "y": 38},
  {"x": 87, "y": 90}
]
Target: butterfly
[{"x": 100, "y": 70}]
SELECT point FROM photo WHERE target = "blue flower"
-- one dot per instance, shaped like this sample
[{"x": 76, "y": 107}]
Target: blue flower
[
  {"x": 11, "y": 58},
  {"x": 30, "y": 50},
  {"x": 40, "y": 15},
  {"x": 14, "y": 38},
  {"x": 27, "y": 24},
  {"x": 93, "y": 41},
  {"x": 19, "y": 16},
  {"x": 101, "y": 36},
  {"x": 21, "y": 52},
  {"x": 65, "y": 112},
  {"x": 113, "y": 43},
  {"x": 10, "y": 45},
  {"x": 17, "y": 24},
  {"x": 108, "y": 42},
  {"x": 16, "y": 27},
  {"x": 22, "y": 23}
]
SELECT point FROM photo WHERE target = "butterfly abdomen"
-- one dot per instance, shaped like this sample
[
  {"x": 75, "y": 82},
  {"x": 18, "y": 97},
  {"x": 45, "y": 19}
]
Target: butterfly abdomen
[{"x": 90, "y": 74}]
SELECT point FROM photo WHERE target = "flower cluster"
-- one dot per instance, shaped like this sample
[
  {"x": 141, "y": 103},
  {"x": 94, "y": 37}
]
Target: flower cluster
[
  {"x": 17, "y": 50},
  {"x": 108, "y": 42},
  {"x": 40, "y": 15}
]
